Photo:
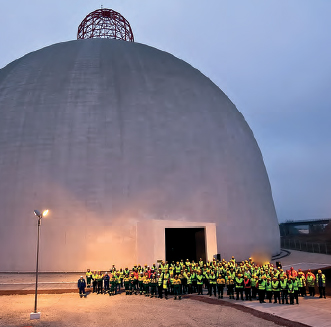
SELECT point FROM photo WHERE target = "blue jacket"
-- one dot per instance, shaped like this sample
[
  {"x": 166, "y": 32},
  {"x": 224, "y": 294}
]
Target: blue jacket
[
  {"x": 81, "y": 284},
  {"x": 106, "y": 279}
]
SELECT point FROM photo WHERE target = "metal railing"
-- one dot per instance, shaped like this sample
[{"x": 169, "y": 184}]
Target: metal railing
[{"x": 295, "y": 244}]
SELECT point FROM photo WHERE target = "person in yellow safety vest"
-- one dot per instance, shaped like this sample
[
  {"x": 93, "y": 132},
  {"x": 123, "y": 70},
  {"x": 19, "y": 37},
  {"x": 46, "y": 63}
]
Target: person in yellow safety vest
[
  {"x": 283, "y": 288},
  {"x": 127, "y": 282},
  {"x": 212, "y": 283},
  {"x": 262, "y": 287},
  {"x": 153, "y": 285},
  {"x": 311, "y": 283},
  {"x": 220, "y": 286},
  {"x": 189, "y": 283},
  {"x": 230, "y": 284},
  {"x": 177, "y": 268},
  {"x": 146, "y": 282},
  {"x": 201, "y": 263},
  {"x": 296, "y": 289},
  {"x": 159, "y": 285},
  {"x": 253, "y": 284},
  {"x": 188, "y": 264},
  {"x": 133, "y": 281},
  {"x": 194, "y": 281},
  {"x": 268, "y": 289},
  {"x": 88, "y": 278},
  {"x": 200, "y": 283},
  {"x": 126, "y": 271},
  {"x": 99, "y": 282},
  {"x": 121, "y": 272},
  {"x": 141, "y": 283},
  {"x": 182, "y": 276},
  {"x": 276, "y": 289},
  {"x": 177, "y": 287},
  {"x": 239, "y": 281},
  {"x": 113, "y": 285},
  {"x": 232, "y": 274},
  {"x": 290, "y": 289},
  {"x": 301, "y": 283},
  {"x": 321, "y": 281},
  {"x": 165, "y": 282},
  {"x": 161, "y": 266},
  {"x": 94, "y": 282},
  {"x": 170, "y": 284}
]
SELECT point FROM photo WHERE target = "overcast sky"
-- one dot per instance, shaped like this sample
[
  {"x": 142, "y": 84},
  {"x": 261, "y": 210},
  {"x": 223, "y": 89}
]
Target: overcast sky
[{"x": 272, "y": 58}]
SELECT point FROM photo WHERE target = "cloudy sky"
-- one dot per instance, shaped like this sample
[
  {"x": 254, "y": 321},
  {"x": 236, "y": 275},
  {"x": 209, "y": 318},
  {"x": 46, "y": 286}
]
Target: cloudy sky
[{"x": 272, "y": 58}]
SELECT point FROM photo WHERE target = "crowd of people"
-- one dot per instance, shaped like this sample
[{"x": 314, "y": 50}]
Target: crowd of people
[{"x": 241, "y": 280}]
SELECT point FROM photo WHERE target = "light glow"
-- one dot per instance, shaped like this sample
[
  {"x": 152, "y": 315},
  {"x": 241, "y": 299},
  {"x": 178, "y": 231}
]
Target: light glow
[{"x": 45, "y": 212}]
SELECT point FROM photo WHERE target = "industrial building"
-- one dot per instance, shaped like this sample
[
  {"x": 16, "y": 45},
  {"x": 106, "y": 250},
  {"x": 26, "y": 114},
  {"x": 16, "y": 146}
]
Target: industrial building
[{"x": 138, "y": 156}]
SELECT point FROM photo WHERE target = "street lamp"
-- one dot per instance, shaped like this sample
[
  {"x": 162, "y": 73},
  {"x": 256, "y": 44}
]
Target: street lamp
[{"x": 35, "y": 314}]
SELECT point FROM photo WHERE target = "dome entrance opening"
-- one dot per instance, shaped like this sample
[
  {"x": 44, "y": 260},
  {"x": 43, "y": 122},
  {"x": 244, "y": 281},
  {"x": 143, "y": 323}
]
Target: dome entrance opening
[{"x": 185, "y": 243}]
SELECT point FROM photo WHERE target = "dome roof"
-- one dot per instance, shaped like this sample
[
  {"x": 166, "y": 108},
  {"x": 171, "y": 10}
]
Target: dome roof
[{"x": 103, "y": 131}]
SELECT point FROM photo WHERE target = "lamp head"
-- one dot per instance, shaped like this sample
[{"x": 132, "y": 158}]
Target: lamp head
[
  {"x": 40, "y": 215},
  {"x": 37, "y": 213}
]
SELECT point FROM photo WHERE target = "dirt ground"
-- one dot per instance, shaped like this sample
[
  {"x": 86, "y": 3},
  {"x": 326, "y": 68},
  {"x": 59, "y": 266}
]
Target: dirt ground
[{"x": 120, "y": 310}]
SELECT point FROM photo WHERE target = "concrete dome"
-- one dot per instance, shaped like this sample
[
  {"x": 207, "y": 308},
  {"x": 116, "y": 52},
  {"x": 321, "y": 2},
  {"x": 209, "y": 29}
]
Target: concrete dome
[{"x": 109, "y": 134}]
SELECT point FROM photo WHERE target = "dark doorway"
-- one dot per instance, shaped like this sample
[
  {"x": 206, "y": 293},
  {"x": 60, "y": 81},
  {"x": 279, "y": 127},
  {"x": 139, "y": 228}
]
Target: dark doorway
[{"x": 185, "y": 243}]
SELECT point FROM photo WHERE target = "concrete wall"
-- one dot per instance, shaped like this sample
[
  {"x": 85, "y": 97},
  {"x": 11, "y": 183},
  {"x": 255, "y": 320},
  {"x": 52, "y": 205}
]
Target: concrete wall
[{"x": 106, "y": 133}]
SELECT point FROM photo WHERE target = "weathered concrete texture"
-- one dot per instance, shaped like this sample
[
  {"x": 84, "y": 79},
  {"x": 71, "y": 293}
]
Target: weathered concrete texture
[{"x": 106, "y": 133}]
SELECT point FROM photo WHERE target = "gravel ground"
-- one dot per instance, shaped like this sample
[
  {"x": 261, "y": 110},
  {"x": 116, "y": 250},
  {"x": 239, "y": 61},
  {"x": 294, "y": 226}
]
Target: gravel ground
[{"x": 120, "y": 310}]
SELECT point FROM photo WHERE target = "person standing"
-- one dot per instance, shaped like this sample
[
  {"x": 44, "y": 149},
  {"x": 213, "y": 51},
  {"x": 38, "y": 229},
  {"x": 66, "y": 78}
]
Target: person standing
[
  {"x": 113, "y": 285},
  {"x": 146, "y": 282},
  {"x": 141, "y": 283},
  {"x": 189, "y": 283},
  {"x": 127, "y": 282},
  {"x": 94, "y": 282},
  {"x": 268, "y": 289},
  {"x": 290, "y": 290},
  {"x": 106, "y": 279},
  {"x": 262, "y": 288},
  {"x": 99, "y": 282},
  {"x": 88, "y": 278},
  {"x": 220, "y": 286},
  {"x": 177, "y": 288},
  {"x": 254, "y": 280},
  {"x": 276, "y": 289},
  {"x": 311, "y": 283},
  {"x": 194, "y": 281},
  {"x": 320, "y": 280},
  {"x": 212, "y": 283},
  {"x": 230, "y": 287},
  {"x": 239, "y": 287},
  {"x": 159, "y": 285},
  {"x": 200, "y": 283},
  {"x": 153, "y": 284},
  {"x": 283, "y": 288},
  {"x": 81, "y": 286},
  {"x": 296, "y": 289},
  {"x": 301, "y": 283},
  {"x": 165, "y": 283},
  {"x": 247, "y": 285}
]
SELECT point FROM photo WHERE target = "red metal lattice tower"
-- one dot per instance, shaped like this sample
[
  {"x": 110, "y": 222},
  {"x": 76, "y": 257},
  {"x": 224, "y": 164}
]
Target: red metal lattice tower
[{"x": 105, "y": 23}]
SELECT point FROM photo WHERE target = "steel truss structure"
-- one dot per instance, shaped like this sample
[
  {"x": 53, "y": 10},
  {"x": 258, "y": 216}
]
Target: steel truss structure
[{"x": 105, "y": 23}]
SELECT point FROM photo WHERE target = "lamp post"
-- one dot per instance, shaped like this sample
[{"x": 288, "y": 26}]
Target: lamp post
[{"x": 35, "y": 314}]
